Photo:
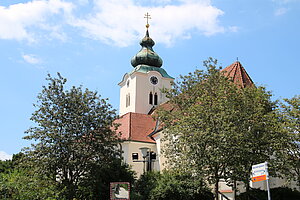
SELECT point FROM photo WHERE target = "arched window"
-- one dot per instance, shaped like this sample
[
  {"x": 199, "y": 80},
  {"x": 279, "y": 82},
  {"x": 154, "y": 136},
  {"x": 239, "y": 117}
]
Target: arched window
[
  {"x": 151, "y": 98},
  {"x": 127, "y": 99},
  {"x": 155, "y": 99}
]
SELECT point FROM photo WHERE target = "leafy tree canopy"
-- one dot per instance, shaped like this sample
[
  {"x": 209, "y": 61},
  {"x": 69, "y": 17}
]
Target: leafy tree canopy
[
  {"x": 73, "y": 135},
  {"x": 218, "y": 130},
  {"x": 290, "y": 112}
]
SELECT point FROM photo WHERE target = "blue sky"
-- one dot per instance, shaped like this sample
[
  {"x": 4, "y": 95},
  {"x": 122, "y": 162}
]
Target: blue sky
[{"x": 91, "y": 42}]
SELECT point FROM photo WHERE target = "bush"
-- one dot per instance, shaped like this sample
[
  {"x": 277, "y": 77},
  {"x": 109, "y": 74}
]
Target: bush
[
  {"x": 143, "y": 186},
  {"x": 170, "y": 185},
  {"x": 280, "y": 193},
  {"x": 284, "y": 194}
]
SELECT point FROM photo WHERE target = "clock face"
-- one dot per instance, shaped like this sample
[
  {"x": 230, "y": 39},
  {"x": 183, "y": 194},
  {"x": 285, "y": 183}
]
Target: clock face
[{"x": 153, "y": 80}]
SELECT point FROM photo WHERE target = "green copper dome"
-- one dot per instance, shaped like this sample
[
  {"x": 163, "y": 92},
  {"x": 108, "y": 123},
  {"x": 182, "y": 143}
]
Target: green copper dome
[
  {"x": 146, "y": 56},
  {"x": 146, "y": 68}
]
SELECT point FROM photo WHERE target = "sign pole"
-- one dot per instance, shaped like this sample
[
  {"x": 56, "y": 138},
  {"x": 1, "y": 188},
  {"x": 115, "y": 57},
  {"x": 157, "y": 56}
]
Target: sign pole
[
  {"x": 260, "y": 173},
  {"x": 268, "y": 184}
]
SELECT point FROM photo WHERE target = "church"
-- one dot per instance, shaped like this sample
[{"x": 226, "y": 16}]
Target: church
[{"x": 140, "y": 95}]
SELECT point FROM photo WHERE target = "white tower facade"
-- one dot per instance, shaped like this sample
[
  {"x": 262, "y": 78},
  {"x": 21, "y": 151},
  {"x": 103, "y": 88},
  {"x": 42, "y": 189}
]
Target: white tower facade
[{"x": 140, "y": 90}]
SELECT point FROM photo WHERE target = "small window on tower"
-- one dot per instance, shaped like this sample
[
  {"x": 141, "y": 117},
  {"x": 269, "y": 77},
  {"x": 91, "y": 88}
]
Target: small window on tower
[
  {"x": 151, "y": 98},
  {"x": 155, "y": 99},
  {"x": 128, "y": 83},
  {"x": 127, "y": 100}
]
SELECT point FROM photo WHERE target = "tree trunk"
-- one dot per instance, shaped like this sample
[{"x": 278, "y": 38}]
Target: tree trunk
[
  {"x": 234, "y": 189},
  {"x": 217, "y": 189},
  {"x": 247, "y": 185}
]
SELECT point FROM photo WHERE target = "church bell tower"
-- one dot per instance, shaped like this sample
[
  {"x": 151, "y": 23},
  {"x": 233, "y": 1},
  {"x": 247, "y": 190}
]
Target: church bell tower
[{"x": 140, "y": 89}]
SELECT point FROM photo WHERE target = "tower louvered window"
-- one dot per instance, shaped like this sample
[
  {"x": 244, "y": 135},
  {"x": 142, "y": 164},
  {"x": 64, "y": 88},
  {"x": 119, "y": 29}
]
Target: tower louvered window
[
  {"x": 155, "y": 99},
  {"x": 151, "y": 98},
  {"x": 127, "y": 99}
]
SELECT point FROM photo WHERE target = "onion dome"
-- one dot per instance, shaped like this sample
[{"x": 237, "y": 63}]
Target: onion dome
[{"x": 146, "y": 56}]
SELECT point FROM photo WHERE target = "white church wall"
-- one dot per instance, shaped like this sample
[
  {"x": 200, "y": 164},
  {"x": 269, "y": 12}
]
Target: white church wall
[
  {"x": 128, "y": 87},
  {"x": 160, "y": 143},
  {"x": 130, "y": 147}
]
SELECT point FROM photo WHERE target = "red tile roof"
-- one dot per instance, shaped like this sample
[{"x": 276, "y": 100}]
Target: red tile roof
[
  {"x": 136, "y": 127},
  {"x": 237, "y": 73}
]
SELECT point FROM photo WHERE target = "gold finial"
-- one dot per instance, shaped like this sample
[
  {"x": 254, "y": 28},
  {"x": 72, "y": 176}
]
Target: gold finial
[{"x": 147, "y": 16}]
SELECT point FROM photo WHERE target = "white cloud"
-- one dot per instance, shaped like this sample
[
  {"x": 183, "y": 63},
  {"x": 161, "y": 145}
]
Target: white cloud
[
  {"x": 283, "y": 6},
  {"x": 17, "y": 20},
  {"x": 31, "y": 59},
  {"x": 120, "y": 22},
  {"x": 5, "y": 156},
  {"x": 233, "y": 29},
  {"x": 280, "y": 11},
  {"x": 113, "y": 22}
]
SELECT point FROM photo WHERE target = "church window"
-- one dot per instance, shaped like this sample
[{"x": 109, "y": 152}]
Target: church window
[
  {"x": 135, "y": 156},
  {"x": 128, "y": 100},
  {"x": 155, "y": 99},
  {"x": 151, "y": 98}
]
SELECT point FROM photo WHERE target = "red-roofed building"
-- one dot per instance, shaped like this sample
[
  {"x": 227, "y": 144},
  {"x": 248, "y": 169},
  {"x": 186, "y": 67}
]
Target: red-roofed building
[
  {"x": 140, "y": 94},
  {"x": 136, "y": 127}
]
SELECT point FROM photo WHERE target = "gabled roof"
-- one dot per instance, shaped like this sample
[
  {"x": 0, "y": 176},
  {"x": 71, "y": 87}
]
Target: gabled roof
[
  {"x": 136, "y": 127},
  {"x": 237, "y": 73},
  {"x": 142, "y": 127}
]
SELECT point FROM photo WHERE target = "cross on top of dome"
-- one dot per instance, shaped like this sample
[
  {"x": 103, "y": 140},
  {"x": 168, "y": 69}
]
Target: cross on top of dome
[
  {"x": 147, "y": 16},
  {"x": 146, "y": 56}
]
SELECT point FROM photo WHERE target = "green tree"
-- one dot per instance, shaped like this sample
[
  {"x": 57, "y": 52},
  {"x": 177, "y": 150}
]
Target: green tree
[
  {"x": 97, "y": 184},
  {"x": 5, "y": 166},
  {"x": 217, "y": 130},
  {"x": 179, "y": 186},
  {"x": 73, "y": 135},
  {"x": 290, "y": 111},
  {"x": 170, "y": 184},
  {"x": 144, "y": 185},
  {"x": 259, "y": 135},
  {"x": 24, "y": 184}
]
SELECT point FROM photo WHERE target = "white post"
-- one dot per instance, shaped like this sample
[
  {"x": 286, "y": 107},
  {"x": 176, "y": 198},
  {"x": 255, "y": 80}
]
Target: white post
[{"x": 268, "y": 185}]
